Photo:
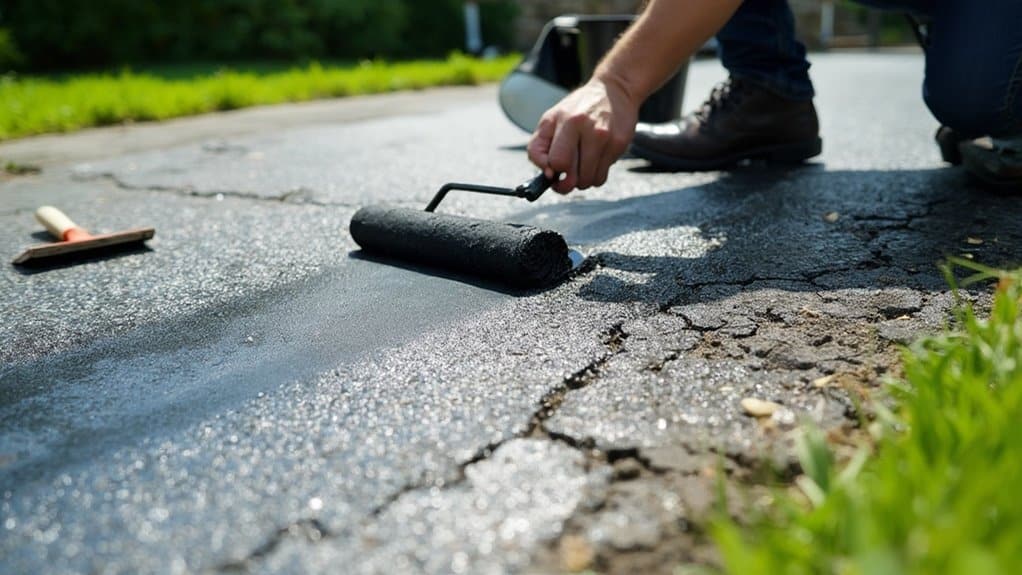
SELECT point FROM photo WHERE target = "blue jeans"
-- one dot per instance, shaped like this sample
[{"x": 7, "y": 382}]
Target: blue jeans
[{"x": 973, "y": 62}]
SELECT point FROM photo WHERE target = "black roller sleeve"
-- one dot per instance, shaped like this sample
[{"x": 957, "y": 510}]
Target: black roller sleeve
[{"x": 509, "y": 254}]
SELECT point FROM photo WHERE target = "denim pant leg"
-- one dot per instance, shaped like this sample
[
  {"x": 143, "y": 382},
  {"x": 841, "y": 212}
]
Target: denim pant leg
[
  {"x": 974, "y": 67},
  {"x": 759, "y": 44},
  {"x": 973, "y": 63}
]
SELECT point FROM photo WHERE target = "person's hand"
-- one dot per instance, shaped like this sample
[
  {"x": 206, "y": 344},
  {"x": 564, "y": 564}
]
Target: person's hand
[{"x": 583, "y": 135}]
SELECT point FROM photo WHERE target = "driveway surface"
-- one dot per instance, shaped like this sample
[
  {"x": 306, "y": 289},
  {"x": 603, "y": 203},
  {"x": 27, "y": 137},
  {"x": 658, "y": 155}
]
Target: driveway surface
[{"x": 245, "y": 395}]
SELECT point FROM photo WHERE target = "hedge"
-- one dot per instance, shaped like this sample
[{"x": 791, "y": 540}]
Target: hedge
[{"x": 72, "y": 34}]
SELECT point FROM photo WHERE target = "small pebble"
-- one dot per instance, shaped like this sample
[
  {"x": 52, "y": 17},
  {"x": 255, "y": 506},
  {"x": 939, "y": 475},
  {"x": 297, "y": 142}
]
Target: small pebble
[
  {"x": 576, "y": 553},
  {"x": 758, "y": 407},
  {"x": 809, "y": 312},
  {"x": 823, "y": 381}
]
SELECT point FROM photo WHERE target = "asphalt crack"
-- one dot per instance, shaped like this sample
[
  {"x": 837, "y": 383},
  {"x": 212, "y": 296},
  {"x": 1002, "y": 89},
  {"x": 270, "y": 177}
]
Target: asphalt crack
[
  {"x": 658, "y": 365},
  {"x": 298, "y": 196},
  {"x": 309, "y": 529},
  {"x": 628, "y": 463},
  {"x": 613, "y": 339}
]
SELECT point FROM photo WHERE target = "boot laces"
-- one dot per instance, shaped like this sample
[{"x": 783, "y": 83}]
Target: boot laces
[{"x": 723, "y": 96}]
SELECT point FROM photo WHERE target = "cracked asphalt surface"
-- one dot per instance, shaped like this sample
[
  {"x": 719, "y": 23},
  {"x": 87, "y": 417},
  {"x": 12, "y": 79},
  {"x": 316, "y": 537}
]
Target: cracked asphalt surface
[{"x": 245, "y": 395}]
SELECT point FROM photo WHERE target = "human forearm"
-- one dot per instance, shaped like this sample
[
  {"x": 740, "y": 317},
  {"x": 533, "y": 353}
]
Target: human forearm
[
  {"x": 664, "y": 36},
  {"x": 580, "y": 137}
]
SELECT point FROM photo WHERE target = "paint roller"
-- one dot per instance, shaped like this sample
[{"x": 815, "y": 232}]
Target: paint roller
[{"x": 515, "y": 255}]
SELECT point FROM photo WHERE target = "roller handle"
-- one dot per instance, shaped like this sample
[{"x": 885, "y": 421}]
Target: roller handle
[
  {"x": 59, "y": 225},
  {"x": 530, "y": 190}
]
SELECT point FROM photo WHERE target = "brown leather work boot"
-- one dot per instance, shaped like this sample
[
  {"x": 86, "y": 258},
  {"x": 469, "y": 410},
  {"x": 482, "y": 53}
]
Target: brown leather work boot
[{"x": 739, "y": 121}]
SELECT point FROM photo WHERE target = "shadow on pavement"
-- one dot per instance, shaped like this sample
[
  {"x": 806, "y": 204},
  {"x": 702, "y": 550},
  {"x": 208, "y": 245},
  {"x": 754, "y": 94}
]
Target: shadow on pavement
[
  {"x": 447, "y": 275},
  {"x": 80, "y": 258},
  {"x": 814, "y": 229}
]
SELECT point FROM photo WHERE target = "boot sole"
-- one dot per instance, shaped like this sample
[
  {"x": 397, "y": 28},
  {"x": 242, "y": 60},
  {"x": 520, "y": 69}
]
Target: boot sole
[
  {"x": 995, "y": 182},
  {"x": 784, "y": 154}
]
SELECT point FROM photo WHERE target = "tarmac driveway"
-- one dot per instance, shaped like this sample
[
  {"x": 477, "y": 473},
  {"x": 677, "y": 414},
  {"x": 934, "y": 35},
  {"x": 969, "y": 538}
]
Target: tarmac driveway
[{"x": 246, "y": 395}]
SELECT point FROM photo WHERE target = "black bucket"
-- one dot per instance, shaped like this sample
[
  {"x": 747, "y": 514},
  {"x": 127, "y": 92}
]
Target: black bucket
[{"x": 564, "y": 57}]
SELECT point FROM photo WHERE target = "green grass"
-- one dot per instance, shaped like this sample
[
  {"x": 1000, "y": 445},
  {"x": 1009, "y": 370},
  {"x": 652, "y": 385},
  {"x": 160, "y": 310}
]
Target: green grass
[
  {"x": 35, "y": 105},
  {"x": 938, "y": 489}
]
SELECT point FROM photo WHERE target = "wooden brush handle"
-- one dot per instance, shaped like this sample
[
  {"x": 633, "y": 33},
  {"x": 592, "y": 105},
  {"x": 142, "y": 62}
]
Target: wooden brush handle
[{"x": 56, "y": 222}]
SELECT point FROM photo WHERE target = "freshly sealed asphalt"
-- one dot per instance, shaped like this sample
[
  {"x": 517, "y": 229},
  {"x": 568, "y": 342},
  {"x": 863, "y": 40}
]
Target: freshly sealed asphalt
[{"x": 248, "y": 394}]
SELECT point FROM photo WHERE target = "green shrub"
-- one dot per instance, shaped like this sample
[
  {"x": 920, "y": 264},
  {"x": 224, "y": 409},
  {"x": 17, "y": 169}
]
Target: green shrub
[
  {"x": 434, "y": 27},
  {"x": 10, "y": 56},
  {"x": 497, "y": 19},
  {"x": 72, "y": 34}
]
